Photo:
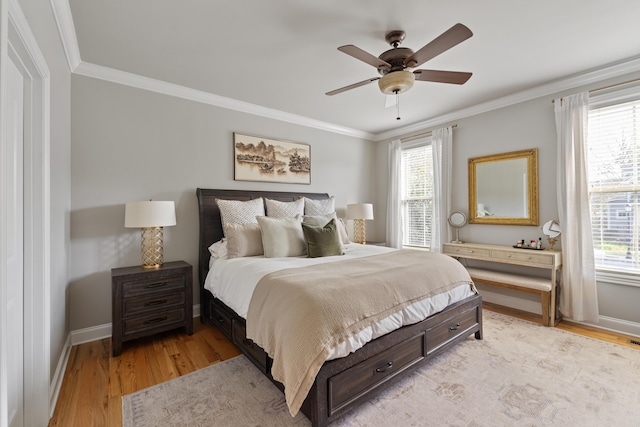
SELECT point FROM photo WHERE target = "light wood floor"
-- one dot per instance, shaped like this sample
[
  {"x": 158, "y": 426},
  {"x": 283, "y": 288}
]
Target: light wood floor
[{"x": 94, "y": 381}]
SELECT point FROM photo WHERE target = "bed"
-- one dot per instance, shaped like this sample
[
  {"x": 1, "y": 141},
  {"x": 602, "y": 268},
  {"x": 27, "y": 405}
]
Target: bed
[{"x": 346, "y": 381}]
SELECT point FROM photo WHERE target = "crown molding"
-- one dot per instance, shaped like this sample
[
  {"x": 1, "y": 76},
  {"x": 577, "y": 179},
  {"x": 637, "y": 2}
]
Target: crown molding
[
  {"x": 67, "y": 30},
  {"x": 165, "y": 88},
  {"x": 590, "y": 77},
  {"x": 64, "y": 20}
]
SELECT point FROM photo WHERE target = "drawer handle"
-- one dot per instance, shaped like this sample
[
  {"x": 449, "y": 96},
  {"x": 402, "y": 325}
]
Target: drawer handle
[
  {"x": 155, "y": 285},
  {"x": 156, "y": 302},
  {"x": 247, "y": 342},
  {"x": 156, "y": 320},
  {"x": 384, "y": 367},
  {"x": 454, "y": 327},
  {"x": 220, "y": 319}
]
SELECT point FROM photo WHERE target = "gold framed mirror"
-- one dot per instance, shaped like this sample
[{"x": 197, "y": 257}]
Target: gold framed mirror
[{"x": 503, "y": 188}]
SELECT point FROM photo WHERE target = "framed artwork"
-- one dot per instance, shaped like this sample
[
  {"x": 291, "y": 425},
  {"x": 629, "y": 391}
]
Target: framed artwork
[{"x": 271, "y": 160}]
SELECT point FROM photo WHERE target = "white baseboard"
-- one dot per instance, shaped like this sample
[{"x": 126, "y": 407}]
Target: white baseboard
[
  {"x": 58, "y": 376},
  {"x": 615, "y": 325}
]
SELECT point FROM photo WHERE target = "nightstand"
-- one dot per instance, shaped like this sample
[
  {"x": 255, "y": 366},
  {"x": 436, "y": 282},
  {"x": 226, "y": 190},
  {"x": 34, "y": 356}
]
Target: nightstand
[{"x": 146, "y": 301}]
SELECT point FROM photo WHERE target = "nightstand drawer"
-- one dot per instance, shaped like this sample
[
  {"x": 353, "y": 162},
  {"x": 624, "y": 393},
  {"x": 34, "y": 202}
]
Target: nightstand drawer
[
  {"x": 154, "y": 320},
  {"x": 142, "y": 304},
  {"x": 154, "y": 284}
]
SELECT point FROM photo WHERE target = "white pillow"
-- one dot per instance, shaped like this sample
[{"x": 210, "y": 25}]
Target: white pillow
[
  {"x": 319, "y": 207},
  {"x": 322, "y": 220},
  {"x": 278, "y": 209},
  {"x": 282, "y": 237},
  {"x": 218, "y": 250},
  {"x": 243, "y": 240},
  {"x": 240, "y": 212},
  {"x": 342, "y": 229}
]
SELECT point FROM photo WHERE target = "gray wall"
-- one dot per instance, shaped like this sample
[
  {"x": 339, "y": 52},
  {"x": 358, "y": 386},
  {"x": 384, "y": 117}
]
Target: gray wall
[
  {"x": 130, "y": 144},
  {"x": 525, "y": 125},
  {"x": 43, "y": 25}
]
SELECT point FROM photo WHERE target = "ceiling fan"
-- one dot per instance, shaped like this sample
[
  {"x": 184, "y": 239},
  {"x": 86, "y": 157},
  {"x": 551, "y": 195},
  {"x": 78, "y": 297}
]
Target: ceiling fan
[{"x": 395, "y": 64}]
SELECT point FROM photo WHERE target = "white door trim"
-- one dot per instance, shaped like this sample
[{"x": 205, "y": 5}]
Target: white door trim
[{"x": 19, "y": 45}]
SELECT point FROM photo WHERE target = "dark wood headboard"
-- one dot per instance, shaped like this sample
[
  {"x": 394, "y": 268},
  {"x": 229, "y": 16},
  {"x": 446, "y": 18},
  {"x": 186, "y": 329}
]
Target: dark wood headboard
[{"x": 211, "y": 225}]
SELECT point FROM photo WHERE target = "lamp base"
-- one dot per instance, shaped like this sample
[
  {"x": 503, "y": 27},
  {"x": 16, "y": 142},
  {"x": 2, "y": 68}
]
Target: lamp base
[
  {"x": 152, "y": 251},
  {"x": 359, "y": 231}
]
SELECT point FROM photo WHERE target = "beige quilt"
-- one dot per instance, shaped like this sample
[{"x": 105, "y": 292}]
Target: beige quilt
[{"x": 297, "y": 315}]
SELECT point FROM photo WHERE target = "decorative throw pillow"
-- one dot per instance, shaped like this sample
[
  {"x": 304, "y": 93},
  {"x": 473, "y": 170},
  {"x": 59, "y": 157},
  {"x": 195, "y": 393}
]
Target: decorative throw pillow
[
  {"x": 322, "y": 220},
  {"x": 243, "y": 240},
  {"x": 278, "y": 209},
  {"x": 282, "y": 237},
  {"x": 322, "y": 241},
  {"x": 319, "y": 207},
  {"x": 239, "y": 211}
]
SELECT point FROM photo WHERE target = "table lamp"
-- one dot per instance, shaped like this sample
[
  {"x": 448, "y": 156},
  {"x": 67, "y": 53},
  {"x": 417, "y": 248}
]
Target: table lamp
[
  {"x": 151, "y": 217},
  {"x": 359, "y": 212}
]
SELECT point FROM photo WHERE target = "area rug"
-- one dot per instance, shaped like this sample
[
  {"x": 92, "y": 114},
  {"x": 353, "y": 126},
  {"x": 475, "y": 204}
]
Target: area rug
[{"x": 521, "y": 374}]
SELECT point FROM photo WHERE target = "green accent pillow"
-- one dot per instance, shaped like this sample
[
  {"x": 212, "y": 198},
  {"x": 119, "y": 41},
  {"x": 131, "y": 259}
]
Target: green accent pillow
[{"x": 322, "y": 241}]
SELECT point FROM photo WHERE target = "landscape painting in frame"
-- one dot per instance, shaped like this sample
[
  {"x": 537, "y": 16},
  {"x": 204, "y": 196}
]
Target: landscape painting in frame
[{"x": 271, "y": 160}]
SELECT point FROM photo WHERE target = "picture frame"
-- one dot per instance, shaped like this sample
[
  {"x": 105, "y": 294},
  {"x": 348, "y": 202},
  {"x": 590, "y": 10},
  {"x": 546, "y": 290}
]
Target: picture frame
[{"x": 271, "y": 160}]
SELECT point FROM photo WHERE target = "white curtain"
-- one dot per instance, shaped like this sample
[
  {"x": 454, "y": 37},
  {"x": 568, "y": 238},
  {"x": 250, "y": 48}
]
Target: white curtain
[
  {"x": 394, "y": 208},
  {"x": 578, "y": 297},
  {"x": 441, "y": 141}
]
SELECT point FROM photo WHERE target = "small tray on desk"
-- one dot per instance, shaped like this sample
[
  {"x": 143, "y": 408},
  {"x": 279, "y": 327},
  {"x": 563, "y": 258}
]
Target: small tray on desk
[{"x": 528, "y": 247}]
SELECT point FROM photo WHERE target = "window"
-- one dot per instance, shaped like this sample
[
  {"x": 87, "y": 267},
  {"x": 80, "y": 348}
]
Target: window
[
  {"x": 417, "y": 194},
  {"x": 614, "y": 182}
]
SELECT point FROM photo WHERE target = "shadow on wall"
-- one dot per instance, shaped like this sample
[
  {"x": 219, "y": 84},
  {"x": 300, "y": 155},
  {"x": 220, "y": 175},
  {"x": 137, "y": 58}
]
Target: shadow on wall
[
  {"x": 99, "y": 243},
  {"x": 90, "y": 301},
  {"x": 100, "y": 240}
]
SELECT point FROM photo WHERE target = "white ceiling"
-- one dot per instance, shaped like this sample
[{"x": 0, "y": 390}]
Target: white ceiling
[{"x": 282, "y": 54}]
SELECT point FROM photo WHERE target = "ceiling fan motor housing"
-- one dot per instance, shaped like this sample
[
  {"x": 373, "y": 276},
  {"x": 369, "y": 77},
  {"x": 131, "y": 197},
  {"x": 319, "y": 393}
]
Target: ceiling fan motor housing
[{"x": 396, "y": 58}]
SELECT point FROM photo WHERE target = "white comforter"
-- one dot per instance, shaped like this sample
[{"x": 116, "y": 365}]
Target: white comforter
[{"x": 233, "y": 280}]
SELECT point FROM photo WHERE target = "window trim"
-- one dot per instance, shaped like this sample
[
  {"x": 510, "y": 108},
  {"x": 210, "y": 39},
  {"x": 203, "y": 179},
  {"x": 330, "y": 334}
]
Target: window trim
[
  {"x": 406, "y": 146},
  {"x": 607, "y": 99}
]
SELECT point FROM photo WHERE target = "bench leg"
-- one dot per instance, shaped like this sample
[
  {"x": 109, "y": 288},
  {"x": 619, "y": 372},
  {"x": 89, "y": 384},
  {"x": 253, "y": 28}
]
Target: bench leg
[{"x": 547, "y": 309}]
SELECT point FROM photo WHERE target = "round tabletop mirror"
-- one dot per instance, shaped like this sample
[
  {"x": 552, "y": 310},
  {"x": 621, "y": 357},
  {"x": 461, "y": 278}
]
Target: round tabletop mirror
[
  {"x": 551, "y": 229},
  {"x": 457, "y": 220}
]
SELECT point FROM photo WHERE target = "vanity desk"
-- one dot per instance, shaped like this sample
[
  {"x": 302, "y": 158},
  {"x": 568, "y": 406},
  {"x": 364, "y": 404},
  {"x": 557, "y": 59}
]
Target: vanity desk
[{"x": 544, "y": 259}]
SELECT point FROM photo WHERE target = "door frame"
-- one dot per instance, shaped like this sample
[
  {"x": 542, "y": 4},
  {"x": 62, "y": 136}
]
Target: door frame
[{"x": 19, "y": 45}]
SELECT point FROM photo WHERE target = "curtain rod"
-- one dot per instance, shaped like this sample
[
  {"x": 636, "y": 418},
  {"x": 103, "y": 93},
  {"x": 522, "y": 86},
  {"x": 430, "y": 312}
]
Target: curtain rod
[
  {"x": 407, "y": 138},
  {"x": 608, "y": 87}
]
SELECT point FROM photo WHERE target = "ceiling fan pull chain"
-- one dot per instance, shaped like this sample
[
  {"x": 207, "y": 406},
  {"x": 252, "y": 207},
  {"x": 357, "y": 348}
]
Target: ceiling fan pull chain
[{"x": 397, "y": 104}]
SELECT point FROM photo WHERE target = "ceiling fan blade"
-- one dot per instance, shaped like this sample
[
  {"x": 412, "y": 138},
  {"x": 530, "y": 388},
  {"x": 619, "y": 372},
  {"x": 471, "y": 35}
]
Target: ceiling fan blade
[
  {"x": 453, "y": 77},
  {"x": 363, "y": 56},
  {"x": 353, "y": 86},
  {"x": 445, "y": 41}
]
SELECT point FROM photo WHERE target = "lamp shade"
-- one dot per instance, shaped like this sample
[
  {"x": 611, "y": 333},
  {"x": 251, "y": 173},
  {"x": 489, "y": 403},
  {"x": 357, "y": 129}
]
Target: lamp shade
[
  {"x": 360, "y": 211},
  {"x": 149, "y": 214}
]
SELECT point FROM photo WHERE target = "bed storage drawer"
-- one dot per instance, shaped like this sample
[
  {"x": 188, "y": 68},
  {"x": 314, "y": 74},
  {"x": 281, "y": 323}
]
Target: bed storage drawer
[
  {"x": 248, "y": 347},
  {"x": 446, "y": 331},
  {"x": 221, "y": 317},
  {"x": 352, "y": 383}
]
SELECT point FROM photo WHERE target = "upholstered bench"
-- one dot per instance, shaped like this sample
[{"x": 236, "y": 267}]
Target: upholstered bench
[{"x": 534, "y": 285}]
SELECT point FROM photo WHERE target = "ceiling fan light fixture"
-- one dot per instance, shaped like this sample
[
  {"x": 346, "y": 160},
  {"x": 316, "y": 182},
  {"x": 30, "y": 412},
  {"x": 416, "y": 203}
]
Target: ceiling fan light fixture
[{"x": 396, "y": 82}]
